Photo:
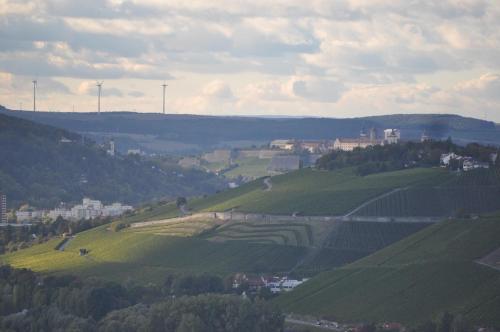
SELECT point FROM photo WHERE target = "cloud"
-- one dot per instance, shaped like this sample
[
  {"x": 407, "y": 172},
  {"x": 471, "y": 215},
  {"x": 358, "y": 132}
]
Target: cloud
[
  {"x": 487, "y": 86},
  {"x": 293, "y": 56},
  {"x": 218, "y": 90},
  {"x": 90, "y": 88},
  {"x": 320, "y": 90},
  {"x": 136, "y": 94}
]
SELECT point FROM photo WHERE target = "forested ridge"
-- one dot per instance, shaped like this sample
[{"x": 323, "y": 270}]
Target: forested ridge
[{"x": 40, "y": 167}]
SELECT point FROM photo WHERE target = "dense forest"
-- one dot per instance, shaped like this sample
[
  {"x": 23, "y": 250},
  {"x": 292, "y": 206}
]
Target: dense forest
[
  {"x": 33, "y": 302},
  {"x": 391, "y": 157},
  {"x": 43, "y": 166}
]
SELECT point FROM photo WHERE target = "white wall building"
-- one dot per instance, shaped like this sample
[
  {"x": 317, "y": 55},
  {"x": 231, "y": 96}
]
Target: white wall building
[
  {"x": 392, "y": 136},
  {"x": 283, "y": 144}
]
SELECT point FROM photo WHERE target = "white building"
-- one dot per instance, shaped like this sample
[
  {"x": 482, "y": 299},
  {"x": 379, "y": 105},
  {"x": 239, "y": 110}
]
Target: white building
[
  {"x": 446, "y": 158},
  {"x": 23, "y": 216},
  {"x": 111, "y": 150},
  {"x": 59, "y": 212},
  {"x": 392, "y": 136},
  {"x": 283, "y": 144},
  {"x": 115, "y": 209},
  {"x": 349, "y": 144}
]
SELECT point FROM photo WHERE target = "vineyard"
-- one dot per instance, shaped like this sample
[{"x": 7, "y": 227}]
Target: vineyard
[
  {"x": 421, "y": 276},
  {"x": 370, "y": 236},
  {"x": 312, "y": 192},
  {"x": 473, "y": 192}
]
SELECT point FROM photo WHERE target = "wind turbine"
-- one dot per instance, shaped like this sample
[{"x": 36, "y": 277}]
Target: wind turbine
[
  {"x": 99, "y": 87},
  {"x": 164, "y": 87},
  {"x": 34, "y": 95}
]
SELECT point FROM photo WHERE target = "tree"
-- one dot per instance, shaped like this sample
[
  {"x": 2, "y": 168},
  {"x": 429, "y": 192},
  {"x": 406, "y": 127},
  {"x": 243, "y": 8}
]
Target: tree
[{"x": 181, "y": 201}]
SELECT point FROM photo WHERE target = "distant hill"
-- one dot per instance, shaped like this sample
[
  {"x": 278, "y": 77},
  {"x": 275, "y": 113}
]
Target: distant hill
[
  {"x": 413, "y": 280},
  {"x": 186, "y": 134},
  {"x": 43, "y": 166}
]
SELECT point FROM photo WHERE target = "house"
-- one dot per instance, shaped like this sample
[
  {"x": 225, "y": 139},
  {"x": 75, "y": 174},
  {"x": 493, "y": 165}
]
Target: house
[
  {"x": 283, "y": 164},
  {"x": 425, "y": 138},
  {"x": 29, "y": 215},
  {"x": 283, "y": 144},
  {"x": 470, "y": 164},
  {"x": 446, "y": 158}
]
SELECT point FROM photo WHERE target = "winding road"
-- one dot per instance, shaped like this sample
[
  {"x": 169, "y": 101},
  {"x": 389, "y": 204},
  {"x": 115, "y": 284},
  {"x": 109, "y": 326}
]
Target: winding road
[{"x": 268, "y": 183}]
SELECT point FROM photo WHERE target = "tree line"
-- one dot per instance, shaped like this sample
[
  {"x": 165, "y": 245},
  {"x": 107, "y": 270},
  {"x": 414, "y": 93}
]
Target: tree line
[
  {"x": 392, "y": 157},
  {"x": 33, "y": 302}
]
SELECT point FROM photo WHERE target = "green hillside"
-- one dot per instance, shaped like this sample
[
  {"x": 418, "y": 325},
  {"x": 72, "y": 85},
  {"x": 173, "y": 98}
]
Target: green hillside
[
  {"x": 412, "y": 280},
  {"x": 43, "y": 166},
  {"x": 312, "y": 192},
  {"x": 473, "y": 192},
  {"x": 147, "y": 257}
]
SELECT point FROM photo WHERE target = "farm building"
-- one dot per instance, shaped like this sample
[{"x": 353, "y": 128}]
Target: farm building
[{"x": 282, "y": 164}]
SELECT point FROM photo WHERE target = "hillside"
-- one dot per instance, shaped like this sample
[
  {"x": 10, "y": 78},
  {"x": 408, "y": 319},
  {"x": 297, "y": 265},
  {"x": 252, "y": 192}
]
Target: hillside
[
  {"x": 311, "y": 192},
  {"x": 474, "y": 192},
  {"x": 185, "y": 134},
  {"x": 412, "y": 280},
  {"x": 43, "y": 166},
  {"x": 260, "y": 244}
]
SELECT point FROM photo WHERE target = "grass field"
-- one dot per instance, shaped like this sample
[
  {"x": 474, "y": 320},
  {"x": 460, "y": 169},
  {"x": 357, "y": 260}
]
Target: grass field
[{"x": 412, "y": 280}]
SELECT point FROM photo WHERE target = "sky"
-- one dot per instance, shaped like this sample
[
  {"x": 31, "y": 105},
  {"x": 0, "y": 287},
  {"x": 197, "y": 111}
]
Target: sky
[{"x": 332, "y": 58}]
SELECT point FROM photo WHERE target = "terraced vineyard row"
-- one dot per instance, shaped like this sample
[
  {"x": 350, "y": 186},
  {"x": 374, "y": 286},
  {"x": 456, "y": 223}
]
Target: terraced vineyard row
[
  {"x": 181, "y": 228},
  {"x": 296, "y": 234}
]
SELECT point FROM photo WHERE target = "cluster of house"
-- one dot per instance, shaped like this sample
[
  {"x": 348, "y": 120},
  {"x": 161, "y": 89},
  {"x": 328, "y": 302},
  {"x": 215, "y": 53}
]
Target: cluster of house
[
  {"x": 274, "y": 283},
  {"x": 391, "y": 136},
  {"x": 287, "y": 155},
  {"x": 89, "y": 209},
  {"x": 463, "y": 162}
]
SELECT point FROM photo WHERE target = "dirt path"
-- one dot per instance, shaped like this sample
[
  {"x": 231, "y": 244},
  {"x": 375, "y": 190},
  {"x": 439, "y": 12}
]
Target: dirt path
[
  {"x": 64, "y": 243},
  {"x": 268, "y": 183},
  {"x": 491, "y": 260},
  {"x": 370, "y": 201},
  {"x": 184, "y": 210}
]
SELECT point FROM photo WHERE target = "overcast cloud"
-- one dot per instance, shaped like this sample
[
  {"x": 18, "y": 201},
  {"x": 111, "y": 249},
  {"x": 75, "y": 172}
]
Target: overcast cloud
[{"x": 320, "y": 57}]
